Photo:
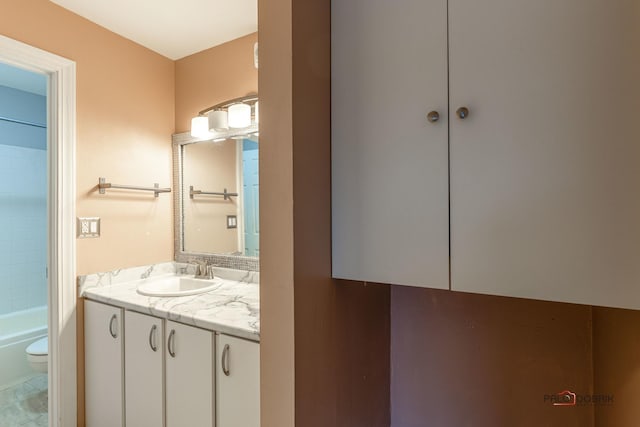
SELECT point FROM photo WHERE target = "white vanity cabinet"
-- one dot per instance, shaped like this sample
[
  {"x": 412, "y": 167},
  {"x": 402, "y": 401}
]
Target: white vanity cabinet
[
  {"x": 144, "y": 370},
  {"x": 189, "y": 376},
  {"x": 104, "y": 365},
  {"x": 168, "y": 373},
  {"x": 535, "y": 103},
  {"x": 152, "y": 372},
  {"x": 238, "y": 382}
]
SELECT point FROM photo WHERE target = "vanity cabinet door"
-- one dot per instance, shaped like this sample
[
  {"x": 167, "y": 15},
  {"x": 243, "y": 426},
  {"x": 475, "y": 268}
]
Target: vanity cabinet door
[
  {"x": 190, "y": 377},
  {"x": 389, "y": 149},
  {"x": 545, "y": 169},
  {"x": 104, "y": 355},
  {"x": 238, "y": 382},
  {"x": 144, "y": 370}
]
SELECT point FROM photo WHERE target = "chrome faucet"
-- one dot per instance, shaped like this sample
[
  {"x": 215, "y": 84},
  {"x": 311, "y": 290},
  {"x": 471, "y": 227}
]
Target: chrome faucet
[{"x": 204, "y": 270}]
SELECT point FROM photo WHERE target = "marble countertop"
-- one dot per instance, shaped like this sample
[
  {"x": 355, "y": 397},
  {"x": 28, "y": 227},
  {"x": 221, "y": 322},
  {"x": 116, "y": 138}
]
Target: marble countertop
[{"x": 232, "y": 307}]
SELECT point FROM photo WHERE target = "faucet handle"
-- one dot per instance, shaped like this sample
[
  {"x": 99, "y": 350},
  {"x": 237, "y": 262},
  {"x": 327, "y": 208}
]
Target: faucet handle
[
  {"x": 203, "y": 269},
  {"x": 198, "y": 266}
]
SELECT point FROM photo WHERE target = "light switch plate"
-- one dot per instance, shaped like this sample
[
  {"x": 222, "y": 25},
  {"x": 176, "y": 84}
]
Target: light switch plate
[
  {"x": 87, "y": 227},
  {"x": 232, "y": 221}
]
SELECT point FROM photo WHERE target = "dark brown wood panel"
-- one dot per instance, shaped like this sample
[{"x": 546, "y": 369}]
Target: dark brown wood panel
[
  {"x": 616, "y": 357},
  {"x": 363, "y": 358},
  {"x": 472, "y": 360}
]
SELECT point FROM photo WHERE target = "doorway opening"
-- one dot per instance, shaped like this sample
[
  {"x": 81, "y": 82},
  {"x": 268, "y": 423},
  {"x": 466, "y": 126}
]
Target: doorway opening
[
  {"x": 23, "y": 246},
  {"x": 54, "y": 168}
]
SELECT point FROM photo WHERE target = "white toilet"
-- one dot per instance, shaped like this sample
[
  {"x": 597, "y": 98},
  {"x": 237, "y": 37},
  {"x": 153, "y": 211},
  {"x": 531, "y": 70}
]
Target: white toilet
[{"x": 38, "y": 354}]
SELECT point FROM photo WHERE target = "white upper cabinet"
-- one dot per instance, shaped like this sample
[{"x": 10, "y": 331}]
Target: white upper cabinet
[
  {"x": 542, "y": 176},
  {"x": 545, "y": 170},
  {"x": 389, "y": 162}
]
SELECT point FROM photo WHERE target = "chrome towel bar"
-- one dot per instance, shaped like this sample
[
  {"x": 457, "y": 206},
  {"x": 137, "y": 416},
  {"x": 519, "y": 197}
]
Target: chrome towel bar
[
  {"x": 225, "y": 194},
  {"x": 103, "y": 185}
]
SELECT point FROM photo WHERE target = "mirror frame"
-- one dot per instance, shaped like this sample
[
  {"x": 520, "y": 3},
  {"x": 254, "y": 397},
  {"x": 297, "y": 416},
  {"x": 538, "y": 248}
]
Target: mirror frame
[{"x": 237, "y": 262}]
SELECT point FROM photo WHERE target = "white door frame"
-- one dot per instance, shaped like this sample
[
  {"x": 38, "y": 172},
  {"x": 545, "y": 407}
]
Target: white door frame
[{"x": 61, "y": 143}]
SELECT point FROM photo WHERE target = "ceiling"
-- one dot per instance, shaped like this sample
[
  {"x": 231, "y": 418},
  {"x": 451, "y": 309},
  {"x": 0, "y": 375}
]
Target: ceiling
[{"x": 173, "y": 28}]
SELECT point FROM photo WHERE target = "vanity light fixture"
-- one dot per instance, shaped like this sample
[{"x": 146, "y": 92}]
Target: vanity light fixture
[
  {"x": 233, "y": 115},
  {"x": 218, "y": 121},
  {"x": 200, "y": 127},
  {"x": 256, "y": 113},
  {"x": 239, "y": 115},
  {"x": 255, "y": 55}
]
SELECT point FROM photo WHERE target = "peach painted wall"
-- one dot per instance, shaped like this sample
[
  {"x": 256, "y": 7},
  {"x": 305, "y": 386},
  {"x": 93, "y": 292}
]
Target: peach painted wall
[
  {"x": 125, "y": 118},
  {"x": 277, "y": 316},
  {"x": 214, "y": 75}
]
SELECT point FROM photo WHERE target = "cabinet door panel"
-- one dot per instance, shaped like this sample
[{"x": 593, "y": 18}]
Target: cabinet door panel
[
  {"x": 238, "y": 382},
  {"x": 189, "y": 376},
  {"x": 103, "y": 358},
  {"x": 389, "y": 163},
  {"x": 545, "y": 171},
  {"x": 144, "y": 371}
]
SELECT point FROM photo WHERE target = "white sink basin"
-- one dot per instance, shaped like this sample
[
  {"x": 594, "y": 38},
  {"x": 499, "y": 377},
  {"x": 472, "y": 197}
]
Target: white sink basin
[{"x": 176, "y": 286}]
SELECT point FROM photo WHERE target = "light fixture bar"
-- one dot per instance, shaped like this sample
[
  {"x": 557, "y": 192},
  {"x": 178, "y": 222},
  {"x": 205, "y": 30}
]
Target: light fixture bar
[
  {"x": 227, "y": 134},
  {"x": 248, "y": 99}
]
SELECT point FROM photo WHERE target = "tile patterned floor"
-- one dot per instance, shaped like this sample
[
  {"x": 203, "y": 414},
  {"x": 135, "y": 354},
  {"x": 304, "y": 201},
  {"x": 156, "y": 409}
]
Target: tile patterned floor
[{"x": 25, "y": 404}]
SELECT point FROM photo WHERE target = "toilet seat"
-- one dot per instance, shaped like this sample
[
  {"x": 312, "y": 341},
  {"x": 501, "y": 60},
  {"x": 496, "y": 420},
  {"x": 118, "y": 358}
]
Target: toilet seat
[
  {"x": 39, "y": 348},
  {"x": 38, "y": 354}
]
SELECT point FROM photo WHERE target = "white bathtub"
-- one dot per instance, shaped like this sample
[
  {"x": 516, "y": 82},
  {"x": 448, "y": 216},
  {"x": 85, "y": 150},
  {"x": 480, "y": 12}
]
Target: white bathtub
[{"x": 17, "y": 331}]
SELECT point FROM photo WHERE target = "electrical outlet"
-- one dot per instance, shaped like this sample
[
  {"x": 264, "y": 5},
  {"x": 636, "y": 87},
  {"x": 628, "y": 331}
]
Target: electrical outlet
[{"x": 87, "y": 227}]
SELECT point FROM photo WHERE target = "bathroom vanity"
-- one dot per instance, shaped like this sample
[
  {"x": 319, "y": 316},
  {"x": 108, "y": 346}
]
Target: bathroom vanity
[
  {"x": 165, "y": 348},
  {"x": 171, "y": 360}
]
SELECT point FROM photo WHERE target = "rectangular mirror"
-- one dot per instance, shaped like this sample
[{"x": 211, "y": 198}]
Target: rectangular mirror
[{"x": 217, "y": 196}]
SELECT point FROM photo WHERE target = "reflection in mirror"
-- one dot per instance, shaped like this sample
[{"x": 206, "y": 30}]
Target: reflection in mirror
[{"x": 220, "y": 197}]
